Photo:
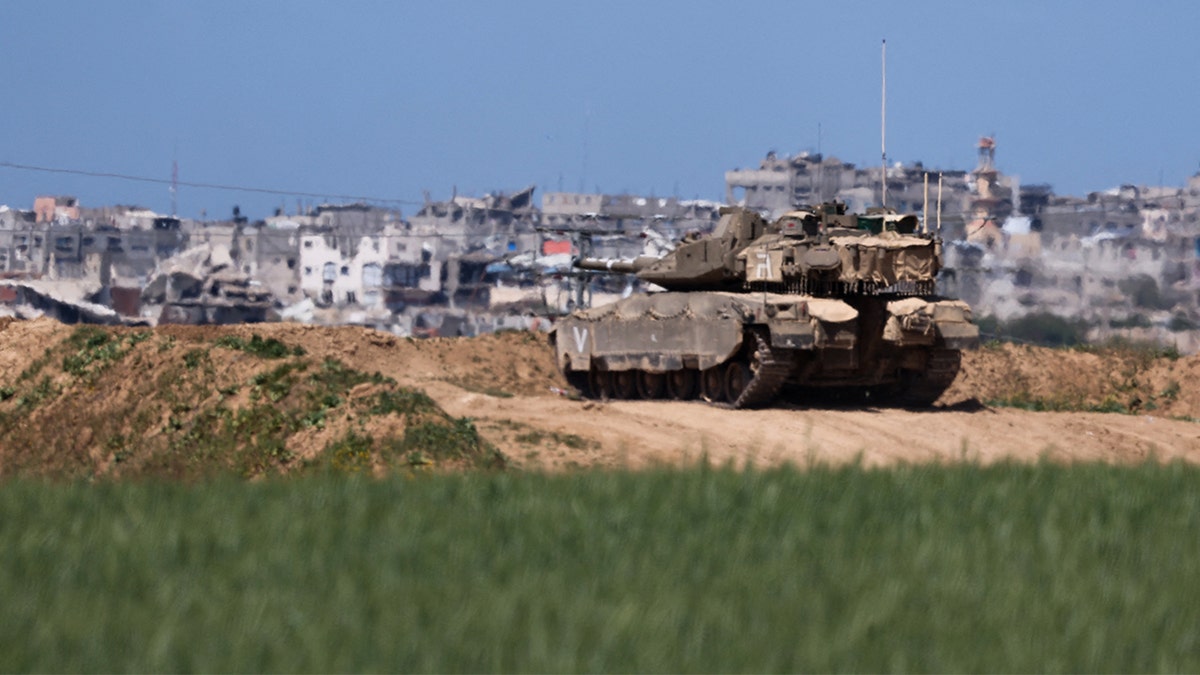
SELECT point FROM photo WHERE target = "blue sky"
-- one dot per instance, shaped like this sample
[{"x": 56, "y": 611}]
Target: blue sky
[{"x": 388, "y": 99}]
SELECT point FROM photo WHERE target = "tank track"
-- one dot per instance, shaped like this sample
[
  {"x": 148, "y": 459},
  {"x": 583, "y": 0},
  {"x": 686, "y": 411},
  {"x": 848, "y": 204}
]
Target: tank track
[
  {"x": 774, "y": 367},
  {"x": 927, "y": 386}
]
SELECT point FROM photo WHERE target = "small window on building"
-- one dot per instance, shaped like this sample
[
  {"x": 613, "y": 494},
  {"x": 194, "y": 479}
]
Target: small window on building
[
  {"x": 308, "y": 244},
  {"x": 308, "y": 271},
  {"x": 345, "y": 270},
  {"x": 292, "y": 264},
  {"x": 372, "y": 275}
]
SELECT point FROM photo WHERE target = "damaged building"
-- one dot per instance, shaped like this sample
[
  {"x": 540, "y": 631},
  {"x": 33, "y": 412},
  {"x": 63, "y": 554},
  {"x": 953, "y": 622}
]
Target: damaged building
[
  {"x": 785, "y": 183},
  {"x": 204, "y": 285},
  {"x": 1120, "y": 258}
]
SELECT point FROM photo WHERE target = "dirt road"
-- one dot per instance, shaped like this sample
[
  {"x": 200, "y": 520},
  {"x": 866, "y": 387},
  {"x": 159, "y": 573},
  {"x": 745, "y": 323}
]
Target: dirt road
[{"x": 646, "y": 433}]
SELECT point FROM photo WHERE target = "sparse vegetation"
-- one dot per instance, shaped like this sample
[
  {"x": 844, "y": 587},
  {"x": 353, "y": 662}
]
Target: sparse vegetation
[
  {"x": 90, "y": 350},
  {"x": 538, "y": 437},
  {"x": 529, "y": 436},
  {"x": 1044, "y": 329},
  {"x": 268, "y": 348},
  {"x": 1027, "y": 401},
  {"x": 1141, "y": 352},
  {"x": 187, "y": 420},
  {"x": 401, "y": 402},
  {"x": 474, "y": 387}
]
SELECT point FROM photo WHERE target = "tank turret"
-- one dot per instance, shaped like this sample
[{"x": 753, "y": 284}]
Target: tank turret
[
  {"x": 821, "y": 251},
  {"x": 829, "y": 253}
]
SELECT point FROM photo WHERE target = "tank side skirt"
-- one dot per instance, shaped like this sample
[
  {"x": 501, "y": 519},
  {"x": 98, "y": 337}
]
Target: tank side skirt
[{"x": 650, "y": 344}]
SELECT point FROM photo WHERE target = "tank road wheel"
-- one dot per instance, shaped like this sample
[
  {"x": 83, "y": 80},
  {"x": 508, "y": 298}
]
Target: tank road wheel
[
  {"x": 597, "y": 384},
  {"x": 737, "y": 378},
  {"x": 712, "y": 383},
  {"x": 651, "y": 385},
  {"x": 681, "y": 384},
  {"x": 623, "y": 383}
]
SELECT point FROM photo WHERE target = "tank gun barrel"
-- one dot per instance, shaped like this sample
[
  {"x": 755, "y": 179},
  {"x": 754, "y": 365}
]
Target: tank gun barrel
[{"x": 617, "y": 266}]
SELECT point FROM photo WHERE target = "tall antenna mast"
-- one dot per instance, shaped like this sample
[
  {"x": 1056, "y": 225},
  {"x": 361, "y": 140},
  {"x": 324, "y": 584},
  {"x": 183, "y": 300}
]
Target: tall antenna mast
[
  {"x": 883, "y": 131},
  {"x": 587, "y": 127},
  {"x": 820, "y": 169},
  {"x": 174, "y": 186}
]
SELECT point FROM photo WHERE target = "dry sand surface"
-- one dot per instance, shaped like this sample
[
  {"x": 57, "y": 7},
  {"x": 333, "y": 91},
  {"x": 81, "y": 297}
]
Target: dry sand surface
[
  {"x": 644, "y": 433},
  {"x": 505, "y": 383}
]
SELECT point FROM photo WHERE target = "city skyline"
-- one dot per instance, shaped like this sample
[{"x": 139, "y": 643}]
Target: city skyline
[{"x": 389, "y": 100}]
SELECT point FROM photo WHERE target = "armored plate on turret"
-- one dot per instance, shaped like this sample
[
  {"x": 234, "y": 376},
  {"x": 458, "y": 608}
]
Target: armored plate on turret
[{"x": 818, "y": 300}]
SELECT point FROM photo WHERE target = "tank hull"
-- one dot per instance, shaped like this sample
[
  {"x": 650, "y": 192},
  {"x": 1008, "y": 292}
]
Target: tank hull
[{"x": 751, "y": 349}]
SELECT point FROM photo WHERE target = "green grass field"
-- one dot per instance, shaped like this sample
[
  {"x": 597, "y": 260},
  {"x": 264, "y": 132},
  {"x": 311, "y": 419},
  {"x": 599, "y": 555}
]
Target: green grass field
[{"x": 960, "y": 568}]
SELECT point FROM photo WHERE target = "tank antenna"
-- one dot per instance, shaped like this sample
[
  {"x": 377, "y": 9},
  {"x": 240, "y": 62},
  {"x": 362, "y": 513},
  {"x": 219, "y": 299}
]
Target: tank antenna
[
  {"x": 925, "y": 207},
  {"x": 939, "y": 204},
  {"x": 821, "y": 169},
  {"x": 175, "y": 183},
  {"x": 883, "y": 129}
]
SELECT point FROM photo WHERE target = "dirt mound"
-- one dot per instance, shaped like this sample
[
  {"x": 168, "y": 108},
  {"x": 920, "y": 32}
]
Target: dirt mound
[
  {"x": 1119, "y": 379},
  {"x": 186, "y": 401}
]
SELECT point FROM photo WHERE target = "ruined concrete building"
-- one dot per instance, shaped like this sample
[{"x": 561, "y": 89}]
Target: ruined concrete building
[
  {"x": 203, "y": 285},
  {"x": 781, "y": 184},
  {"x": 1126, "y": 260},
  {"x": 621, "y": 224},
  {"x": 1125, "y": 257},
  {"x": 49, "y": 209}
]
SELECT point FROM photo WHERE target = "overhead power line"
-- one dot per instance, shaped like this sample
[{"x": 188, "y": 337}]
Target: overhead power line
[{"x": 209, "y": 186}]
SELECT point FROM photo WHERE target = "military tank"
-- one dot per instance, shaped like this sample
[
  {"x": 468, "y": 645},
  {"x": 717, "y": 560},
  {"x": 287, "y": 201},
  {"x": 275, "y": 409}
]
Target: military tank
[{"x": 819, "y": 302}]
